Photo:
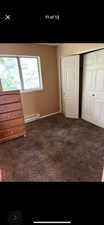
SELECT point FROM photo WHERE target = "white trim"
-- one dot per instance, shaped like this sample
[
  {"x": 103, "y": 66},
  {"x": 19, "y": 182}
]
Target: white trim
[
  {"x": 40, "y": 73},
  {"x": 60, "y": 84},
  {"x": 20, "y": 73},
  {"x": 30, "y": 90},
  {"x": 37, "y": 117},
  {"x": 77, "y": 73}
]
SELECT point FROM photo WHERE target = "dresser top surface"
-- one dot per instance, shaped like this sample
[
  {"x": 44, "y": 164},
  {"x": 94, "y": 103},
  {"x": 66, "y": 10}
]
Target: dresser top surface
[{"x": 16, "y": 92}]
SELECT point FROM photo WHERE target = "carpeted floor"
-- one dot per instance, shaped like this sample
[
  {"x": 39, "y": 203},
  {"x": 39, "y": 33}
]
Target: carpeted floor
[{"x": 55, "y": 149}]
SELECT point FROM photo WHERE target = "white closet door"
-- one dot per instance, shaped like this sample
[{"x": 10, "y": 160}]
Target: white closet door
[
  {"x": 70, "y": 85},
  {"x": 93, "y": 88}
]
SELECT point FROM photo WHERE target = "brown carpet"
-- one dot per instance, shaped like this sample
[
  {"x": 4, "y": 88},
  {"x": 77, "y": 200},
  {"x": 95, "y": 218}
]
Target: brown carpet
[{"x": 55, "y": 149}]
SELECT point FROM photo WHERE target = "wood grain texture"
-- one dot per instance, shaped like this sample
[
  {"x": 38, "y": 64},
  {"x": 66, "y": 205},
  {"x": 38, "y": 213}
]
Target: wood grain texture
[
  {"x": 2, "y": 93},
  {"x": 10, "y": 107},
  {"x": 9, "y": 99},
  {"x": 11, "y": 131},
  {"x": 11, "y": 123},
  {"x": 4, "y": 139},
  {"x": 11, "y": 116}
]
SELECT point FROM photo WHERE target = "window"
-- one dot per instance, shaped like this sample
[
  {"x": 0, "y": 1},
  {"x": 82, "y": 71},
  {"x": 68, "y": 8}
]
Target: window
[{"x": 18, "y": 72}]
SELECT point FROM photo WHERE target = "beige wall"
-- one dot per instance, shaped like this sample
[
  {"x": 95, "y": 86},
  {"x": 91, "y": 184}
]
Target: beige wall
[
  {"x": 66, "y": 49},
  {"x": 46, "y": 101}
]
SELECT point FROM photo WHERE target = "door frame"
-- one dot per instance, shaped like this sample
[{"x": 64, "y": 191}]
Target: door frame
[
  {"x": 60, "y": 80},
  {"x": 60, "y": 71}
]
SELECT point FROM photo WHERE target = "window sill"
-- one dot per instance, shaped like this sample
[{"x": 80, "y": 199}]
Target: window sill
[{"x": 31, "y": 90}]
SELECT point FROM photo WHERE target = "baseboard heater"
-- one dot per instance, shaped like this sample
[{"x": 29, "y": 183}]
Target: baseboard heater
[{"x": 37, "y": 116}]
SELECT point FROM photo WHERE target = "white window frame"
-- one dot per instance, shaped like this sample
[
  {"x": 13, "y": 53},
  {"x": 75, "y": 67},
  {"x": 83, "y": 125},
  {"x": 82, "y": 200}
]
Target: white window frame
[{"x": 20, "y": 71}]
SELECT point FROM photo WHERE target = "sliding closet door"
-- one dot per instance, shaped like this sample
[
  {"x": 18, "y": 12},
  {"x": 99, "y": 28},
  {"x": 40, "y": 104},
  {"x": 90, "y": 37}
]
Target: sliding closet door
[
  {"x": 93, "y": 88},
  {"x": 70, "y": 86}
]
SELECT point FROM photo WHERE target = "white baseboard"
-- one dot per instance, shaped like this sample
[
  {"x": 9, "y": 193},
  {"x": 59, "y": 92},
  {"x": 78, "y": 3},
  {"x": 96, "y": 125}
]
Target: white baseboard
[{"x": 32, "y": 118}]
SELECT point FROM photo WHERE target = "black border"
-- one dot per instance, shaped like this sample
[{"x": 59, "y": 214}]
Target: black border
[
  {"x": 79, "y": 202},
  {"x": 73, "y": 201},
  {"x": 28, "y": 24}
]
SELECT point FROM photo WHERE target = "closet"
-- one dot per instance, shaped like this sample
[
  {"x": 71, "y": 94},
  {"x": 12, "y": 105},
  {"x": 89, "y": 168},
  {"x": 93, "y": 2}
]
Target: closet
[
  {"x": 70, "y": 86},
  {"x": 83, "y": 86},
  {"x": 93, "y": 88}
]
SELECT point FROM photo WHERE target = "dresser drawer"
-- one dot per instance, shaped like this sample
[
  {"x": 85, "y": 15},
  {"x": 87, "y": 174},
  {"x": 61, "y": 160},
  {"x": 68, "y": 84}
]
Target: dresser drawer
[
  {"x": 11, "y": 131},
  {"x": 10, "y": 107},
  {"x": 11, "y": 123},
  {"x": 16, "y": 92},
  {"x": 11, "y": 115},
  {"x": 4, "y": 139},
  {"x": 5, "y": 99}
]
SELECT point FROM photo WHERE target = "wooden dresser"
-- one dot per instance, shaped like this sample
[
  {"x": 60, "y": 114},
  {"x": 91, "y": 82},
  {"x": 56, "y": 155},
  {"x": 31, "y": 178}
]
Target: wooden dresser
[{"x": 11, "y": 116}]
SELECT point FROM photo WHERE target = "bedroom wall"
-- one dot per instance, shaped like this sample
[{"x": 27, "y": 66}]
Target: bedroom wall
[
  {"x": 66, "y": 49},
  {"x": 47, "y": 100}
]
